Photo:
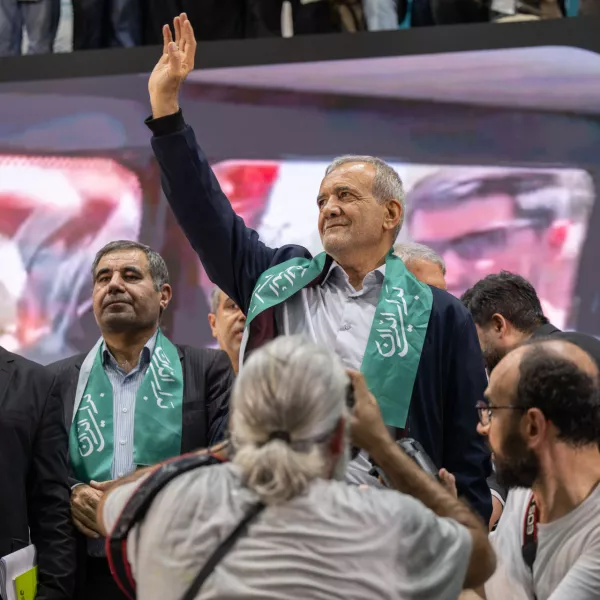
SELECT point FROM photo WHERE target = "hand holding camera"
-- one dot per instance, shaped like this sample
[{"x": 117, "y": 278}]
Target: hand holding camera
[{"x": 367, "y": 428}]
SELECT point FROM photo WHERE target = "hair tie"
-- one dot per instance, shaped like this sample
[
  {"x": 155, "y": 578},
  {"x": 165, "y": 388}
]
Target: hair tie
[{"x": 279, "y": 435}]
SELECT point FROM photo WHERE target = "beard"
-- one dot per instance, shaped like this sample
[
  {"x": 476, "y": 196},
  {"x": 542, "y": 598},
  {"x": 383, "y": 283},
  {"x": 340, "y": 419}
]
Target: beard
[
  {"x": 516, "y": 465},
  {"x": 492, "y": 356}
]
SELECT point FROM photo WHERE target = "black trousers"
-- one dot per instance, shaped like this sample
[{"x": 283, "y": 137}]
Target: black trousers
[
  {"x": 106, "y": 24},
  {"x": 235, "y": 19},
  {"x": 212, "y": 19},
  {"x": 98, "y": 583}
]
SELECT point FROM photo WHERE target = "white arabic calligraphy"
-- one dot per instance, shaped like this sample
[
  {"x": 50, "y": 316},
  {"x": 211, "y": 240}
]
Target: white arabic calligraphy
[
  {"x": 392, "y": 337},
  {"x": 162, "y": 371},
  {"x": 89, "y": 435},
  {"x": 277, "y": 284}
]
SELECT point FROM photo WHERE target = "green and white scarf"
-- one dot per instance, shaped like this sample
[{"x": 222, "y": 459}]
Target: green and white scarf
[
  {"x": 393, "y": 351},
  {"x": 157, "y": 419}
]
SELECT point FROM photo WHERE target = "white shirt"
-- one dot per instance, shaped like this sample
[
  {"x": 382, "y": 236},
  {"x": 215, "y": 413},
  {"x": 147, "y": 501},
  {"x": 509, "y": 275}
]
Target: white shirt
[
  {"x": 333, "y": 541},
  {"x": 333, "y": 314},
  {"x": 567, "y": 564}
]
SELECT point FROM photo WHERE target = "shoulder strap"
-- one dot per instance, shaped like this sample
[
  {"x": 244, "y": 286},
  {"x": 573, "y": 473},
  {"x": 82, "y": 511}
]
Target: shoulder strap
[
  {"x": 529, "y": 545},
  {"x": 222, "y": 550},
  {"x": 137, "y": 507}
]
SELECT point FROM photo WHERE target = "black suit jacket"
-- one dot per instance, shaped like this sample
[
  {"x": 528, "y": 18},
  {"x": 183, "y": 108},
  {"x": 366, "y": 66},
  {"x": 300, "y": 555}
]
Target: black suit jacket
[
  {"x": 451, "y": 376},
  {"x": 207, "y": 380},
  {"x": 588, "y": 343},
  {"x": 34, "y": 493}
]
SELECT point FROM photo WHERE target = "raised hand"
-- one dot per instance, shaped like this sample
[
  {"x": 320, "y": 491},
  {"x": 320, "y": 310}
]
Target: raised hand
[{"x": 176, "y": 62}]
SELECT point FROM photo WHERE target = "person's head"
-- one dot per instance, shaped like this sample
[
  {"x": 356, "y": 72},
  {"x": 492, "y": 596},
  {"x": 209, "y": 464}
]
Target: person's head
[
  {"x": 487, "y": 220},
  {"x": 227, "y": 322},
  {"x": 542, "y": 395},
  {"x": 361, "y": 208},
  {"x": 423, "y": 263},
  {"x": 506, "y": 311},
  {"x": 289, "y": 418},
  {"x": 131, "y": 287}
]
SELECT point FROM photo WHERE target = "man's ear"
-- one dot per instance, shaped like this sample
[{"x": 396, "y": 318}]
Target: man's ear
[
  {"x": 500, "y": 326},
  {"x": 534, "y": 427},
  {"x": 393, "y": 215},
  {"x": 166, "y": 293},
  {"x": 212, "y": 321}
]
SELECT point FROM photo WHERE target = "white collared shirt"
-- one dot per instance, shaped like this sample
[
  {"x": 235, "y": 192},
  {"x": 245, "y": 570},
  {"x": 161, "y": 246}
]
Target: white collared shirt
[{"x": 333, "y": 314}]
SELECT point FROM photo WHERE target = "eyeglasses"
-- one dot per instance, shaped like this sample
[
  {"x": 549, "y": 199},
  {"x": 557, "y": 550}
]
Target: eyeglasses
[{"x": 485, "y": 411}]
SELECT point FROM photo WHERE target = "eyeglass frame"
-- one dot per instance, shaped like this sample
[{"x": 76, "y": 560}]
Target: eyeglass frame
[{"x": 482, "y": 406}]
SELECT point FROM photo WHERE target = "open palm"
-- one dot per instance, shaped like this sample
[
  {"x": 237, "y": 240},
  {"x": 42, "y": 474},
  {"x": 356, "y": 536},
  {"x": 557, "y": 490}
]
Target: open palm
[{"x": 176, "y": 62}]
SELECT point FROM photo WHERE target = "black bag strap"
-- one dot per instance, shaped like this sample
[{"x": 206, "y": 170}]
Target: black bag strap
[
  {"x": 530, "y": 542},
  {"x": 135, "y": 511},
  {"x": 222, "y": 550}
]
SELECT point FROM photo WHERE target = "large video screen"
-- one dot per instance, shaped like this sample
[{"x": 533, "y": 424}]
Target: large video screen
[{"x": 501, "y": 170}]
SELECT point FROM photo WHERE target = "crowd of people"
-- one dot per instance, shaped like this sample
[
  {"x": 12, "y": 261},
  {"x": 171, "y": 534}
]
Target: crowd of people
[
  {"x": 360, "y": 433},
  {"x": 32, "y": 25}
]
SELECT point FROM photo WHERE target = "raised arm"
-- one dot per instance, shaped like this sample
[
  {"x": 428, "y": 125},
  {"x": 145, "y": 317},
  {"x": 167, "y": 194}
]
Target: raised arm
[
  {"x": 231, "y": 253},
  {"x": 370, "y": 434}
]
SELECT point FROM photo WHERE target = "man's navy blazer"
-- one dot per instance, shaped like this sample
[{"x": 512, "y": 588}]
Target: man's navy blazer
[{"x": 451, "y": 376}]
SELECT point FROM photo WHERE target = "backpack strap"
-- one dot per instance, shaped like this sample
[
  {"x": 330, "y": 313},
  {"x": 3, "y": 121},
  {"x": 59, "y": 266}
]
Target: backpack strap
[{"x": 136, "y": 508}]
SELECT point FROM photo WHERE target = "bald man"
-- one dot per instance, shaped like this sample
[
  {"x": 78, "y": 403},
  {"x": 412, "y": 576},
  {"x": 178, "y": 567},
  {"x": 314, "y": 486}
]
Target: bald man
[{"x": 542, "y": 419}]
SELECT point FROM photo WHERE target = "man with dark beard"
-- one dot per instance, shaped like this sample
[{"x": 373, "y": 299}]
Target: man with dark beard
[
  {"x": 542, "y": 418},
  {"x": 507, "y": 312}
]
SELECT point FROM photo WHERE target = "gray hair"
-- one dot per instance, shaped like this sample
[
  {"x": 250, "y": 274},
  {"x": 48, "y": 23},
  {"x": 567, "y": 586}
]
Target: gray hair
[
  {"x": 215, "y": 298},
  {"x": 291, "y": 386},
  {"x": 387, "y": 184},
  {"x": 157, "y": 266},
  {"x": 412, "y": 251}
]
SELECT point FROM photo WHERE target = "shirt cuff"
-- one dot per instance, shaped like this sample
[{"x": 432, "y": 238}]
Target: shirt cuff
[{"x": 166, "y": 125}]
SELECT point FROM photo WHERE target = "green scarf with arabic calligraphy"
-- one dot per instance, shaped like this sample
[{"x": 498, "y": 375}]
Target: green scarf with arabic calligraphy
[
  {"x": 157, "y": 418},
  {"x": 393, "y": 351}
]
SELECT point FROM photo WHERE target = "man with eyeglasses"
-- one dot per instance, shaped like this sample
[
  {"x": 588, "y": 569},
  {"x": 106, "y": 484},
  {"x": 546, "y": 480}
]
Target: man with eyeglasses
[
  {"x": 541, "y": 415},
  {"x": 483, "y": 221}
]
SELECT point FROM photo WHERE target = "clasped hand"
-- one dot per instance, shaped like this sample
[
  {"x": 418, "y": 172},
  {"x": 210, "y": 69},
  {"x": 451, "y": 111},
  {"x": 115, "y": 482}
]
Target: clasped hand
[{"x": 84, "y": 504}]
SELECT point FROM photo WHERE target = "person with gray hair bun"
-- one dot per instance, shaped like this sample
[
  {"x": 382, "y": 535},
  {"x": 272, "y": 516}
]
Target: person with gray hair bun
[
  {"x": 307, "y": 533},
  {"x": 287, "y": 406}
]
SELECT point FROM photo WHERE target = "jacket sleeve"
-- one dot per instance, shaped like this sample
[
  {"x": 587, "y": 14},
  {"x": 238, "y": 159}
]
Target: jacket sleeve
[
  {"x": 49, "y": 506},
  {"x": 465, "y": 451},
  {"x": 219, "y": 382},
  {"x": 231, "y": 253}
]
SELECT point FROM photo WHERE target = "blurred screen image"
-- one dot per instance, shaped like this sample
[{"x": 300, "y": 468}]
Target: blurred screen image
[{"x": 488, "y": 186}]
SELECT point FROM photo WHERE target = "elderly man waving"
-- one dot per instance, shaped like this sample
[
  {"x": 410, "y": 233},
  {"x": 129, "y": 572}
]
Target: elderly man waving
[{"x": 416, "y": 345}]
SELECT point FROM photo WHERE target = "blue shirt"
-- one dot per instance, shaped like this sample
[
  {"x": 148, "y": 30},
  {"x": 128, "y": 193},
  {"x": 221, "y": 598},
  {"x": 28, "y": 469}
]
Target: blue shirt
[{"x": 125, "y": 387}]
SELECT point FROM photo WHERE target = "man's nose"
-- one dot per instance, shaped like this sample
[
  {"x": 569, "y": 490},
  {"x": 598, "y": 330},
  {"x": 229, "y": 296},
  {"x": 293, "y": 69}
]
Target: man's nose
[
  {"x": 332, "y": 207},
  {"x": 115, "y": 284}
]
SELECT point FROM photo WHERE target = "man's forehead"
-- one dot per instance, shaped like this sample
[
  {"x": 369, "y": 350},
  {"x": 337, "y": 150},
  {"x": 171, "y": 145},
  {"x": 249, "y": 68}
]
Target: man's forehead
[
  {"x": 504, "y": 377},
  {"x": 121, "y": 258},
  {"x": 354, "y": 171}
]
